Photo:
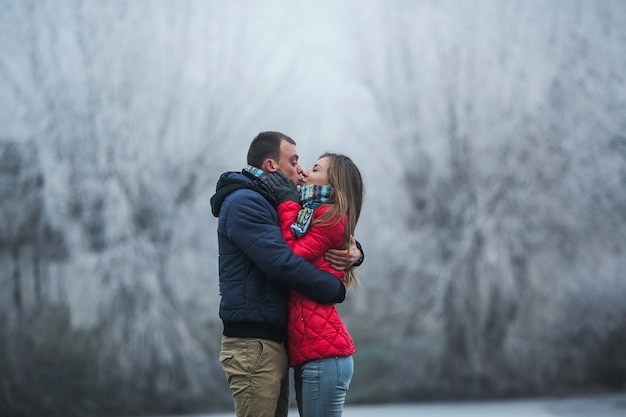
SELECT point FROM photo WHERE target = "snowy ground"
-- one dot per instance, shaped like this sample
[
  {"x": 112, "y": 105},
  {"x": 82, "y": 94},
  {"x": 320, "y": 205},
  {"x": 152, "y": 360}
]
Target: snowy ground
[{"x": 593, "y": 406}]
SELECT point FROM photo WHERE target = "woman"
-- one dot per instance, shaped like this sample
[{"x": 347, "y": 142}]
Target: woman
[{"x": 320, "y": 347}]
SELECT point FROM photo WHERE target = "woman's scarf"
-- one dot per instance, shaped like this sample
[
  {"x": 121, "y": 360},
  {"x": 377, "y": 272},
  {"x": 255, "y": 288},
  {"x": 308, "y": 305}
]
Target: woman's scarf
[{"x": 311, "y": 196}]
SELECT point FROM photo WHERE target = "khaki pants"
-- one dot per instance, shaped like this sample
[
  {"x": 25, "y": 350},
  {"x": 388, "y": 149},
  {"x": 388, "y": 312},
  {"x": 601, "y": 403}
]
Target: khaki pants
[{"x": 257, "y": 371}]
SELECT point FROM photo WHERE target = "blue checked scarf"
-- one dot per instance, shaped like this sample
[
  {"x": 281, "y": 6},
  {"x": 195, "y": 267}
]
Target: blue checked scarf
[
  {"x": 257, "y": 172},
  {"x": 311, "y": 196},
  {"x": 259, "y": 178}
]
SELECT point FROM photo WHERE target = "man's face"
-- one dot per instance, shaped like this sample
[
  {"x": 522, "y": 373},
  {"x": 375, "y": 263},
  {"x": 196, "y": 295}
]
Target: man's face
[{"x": 288, "y": 162}]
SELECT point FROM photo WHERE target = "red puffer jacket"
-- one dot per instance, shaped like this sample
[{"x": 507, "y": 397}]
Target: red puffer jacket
[{"x": 314, "y": 331}]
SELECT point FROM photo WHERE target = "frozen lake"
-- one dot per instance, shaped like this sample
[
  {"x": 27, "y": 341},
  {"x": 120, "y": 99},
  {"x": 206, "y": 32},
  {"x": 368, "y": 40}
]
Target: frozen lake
[{"x": 591, "y": 406}]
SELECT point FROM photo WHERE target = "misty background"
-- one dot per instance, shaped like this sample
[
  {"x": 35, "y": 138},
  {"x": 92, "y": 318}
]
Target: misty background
[{"x": 492, "y": 140}]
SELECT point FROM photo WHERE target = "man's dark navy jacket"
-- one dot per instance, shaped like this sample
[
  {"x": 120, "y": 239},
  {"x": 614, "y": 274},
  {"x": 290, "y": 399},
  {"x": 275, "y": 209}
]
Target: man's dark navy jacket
[{"x": 256, "y": 266}]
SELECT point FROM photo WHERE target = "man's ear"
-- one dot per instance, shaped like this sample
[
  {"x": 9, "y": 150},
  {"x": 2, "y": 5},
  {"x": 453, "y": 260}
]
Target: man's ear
[{"x": 270, "y": 165}]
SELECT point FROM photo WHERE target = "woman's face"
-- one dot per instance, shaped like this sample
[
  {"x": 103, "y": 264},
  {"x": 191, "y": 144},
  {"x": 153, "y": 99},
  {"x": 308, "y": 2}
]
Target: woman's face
[{"x": 318, "y": 175}]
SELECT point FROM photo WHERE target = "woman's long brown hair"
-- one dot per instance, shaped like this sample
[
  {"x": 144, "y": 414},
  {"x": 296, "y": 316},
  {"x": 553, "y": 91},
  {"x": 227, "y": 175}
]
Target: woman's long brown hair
[{"x": 346, "y": 198}]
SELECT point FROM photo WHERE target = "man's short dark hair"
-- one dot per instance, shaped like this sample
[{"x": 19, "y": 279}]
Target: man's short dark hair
[{"x": 266, "y": 145}]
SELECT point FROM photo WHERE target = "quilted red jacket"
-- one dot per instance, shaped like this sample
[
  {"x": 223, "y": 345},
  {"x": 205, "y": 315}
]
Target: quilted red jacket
[{"x": 314, "y": 331}]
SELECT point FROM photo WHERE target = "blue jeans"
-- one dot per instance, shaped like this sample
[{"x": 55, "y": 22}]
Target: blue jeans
[{"x": 321, "y": 386}]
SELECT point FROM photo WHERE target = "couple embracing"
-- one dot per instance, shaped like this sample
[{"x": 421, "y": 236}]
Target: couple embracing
[{"x": 286, "y": 256}]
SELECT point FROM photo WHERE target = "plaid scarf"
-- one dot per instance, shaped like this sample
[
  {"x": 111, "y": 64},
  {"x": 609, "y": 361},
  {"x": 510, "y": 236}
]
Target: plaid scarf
[
  {"x": 257, "y": 172},
  {"x": 259, "y": 178},
  {"x": 311, "y": 196}
]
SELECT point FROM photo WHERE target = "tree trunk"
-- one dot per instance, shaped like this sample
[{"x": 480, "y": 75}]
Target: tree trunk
[
  {"x": 17, "y": 287},
  {"x": 37, "y": 272}
]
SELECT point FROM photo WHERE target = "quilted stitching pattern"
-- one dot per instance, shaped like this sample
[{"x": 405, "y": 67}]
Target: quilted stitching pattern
[{"x": 315, "y": 331}]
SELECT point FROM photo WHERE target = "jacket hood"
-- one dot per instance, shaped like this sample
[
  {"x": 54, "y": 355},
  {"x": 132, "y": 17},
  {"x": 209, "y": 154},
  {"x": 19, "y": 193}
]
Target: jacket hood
[
  {"x": 230, "y": 182},
  {"x": 226, "y": 184}
]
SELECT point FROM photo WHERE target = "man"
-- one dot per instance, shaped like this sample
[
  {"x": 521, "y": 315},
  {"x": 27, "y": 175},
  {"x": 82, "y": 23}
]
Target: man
[{"x": 256, "y": 267}]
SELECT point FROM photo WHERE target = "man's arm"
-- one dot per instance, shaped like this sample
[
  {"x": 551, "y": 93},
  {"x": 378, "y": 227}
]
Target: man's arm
[
  {"x": 253, "y": 226},
  {"x": 342, "y": 259}
]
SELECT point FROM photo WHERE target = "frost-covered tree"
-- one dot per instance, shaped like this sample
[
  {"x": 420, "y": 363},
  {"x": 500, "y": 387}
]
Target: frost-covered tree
[
  {"x": 136, "y": 109},
  {"x": 491, "y": 136},
  {"x": 502, "y": 127},
  {"x": 21, "y": 210}
]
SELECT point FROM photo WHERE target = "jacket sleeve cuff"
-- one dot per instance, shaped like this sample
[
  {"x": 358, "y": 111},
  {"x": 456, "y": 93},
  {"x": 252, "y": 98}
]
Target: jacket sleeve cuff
[
  {"x": 342, "y": 293},
  {"x": 362, "y": 258}
]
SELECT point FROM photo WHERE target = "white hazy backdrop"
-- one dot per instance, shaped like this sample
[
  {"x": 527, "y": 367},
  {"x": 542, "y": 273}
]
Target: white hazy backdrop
[{"x": 491, "y": 136}]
